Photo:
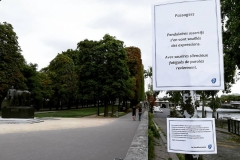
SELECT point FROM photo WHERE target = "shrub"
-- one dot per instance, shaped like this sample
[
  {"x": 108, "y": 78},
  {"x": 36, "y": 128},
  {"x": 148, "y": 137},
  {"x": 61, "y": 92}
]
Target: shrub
[{"x": 152, "y": 126}]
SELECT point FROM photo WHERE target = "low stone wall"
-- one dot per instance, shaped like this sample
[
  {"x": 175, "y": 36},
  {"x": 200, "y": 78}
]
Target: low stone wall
[{"x": 139, "y": 147}]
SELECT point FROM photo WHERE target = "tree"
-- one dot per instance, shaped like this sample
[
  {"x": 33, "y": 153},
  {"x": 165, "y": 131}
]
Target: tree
[
  {"x": 11, "y": 61},
  {"x": 29, "y": 71},
  {"x": 231, "y": 39},
  {"x": 151, "y": 95},
  {"x": 89, "y": 59},
  {"x": 135, "y": 66},
  {"x": 142, "y": 89},
  {"x": 64, "y": 79},
  {"x": 203, "y": 97},
  {"x": 103, "y": 70},
  {"x": 73, "y": 54},
  {"x": 38, "y": 83},
  {"x": 116, "y": 76},
  {"x": 214, "y": 104},
  {"x": 175, "y": 97},
  {"x": 42, "y": 91},
  {"x": 229, "y": 98}
]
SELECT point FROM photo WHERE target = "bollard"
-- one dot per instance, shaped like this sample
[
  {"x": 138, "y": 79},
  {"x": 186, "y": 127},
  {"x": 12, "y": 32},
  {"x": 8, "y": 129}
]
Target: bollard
[{"x": 117, "y": 114}]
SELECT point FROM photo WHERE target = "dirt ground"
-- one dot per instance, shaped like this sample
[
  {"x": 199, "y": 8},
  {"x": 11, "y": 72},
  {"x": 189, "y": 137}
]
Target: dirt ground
[{"x": 228, "y": 146}]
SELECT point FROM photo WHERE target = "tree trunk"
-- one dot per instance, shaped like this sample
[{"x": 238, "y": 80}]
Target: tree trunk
[
  {"x": 76, "y": 103},
  {"x": 69, "y": 103},
  {"x": 112, "y": 109},
  {"x": 203, "y": 104},
  {"x": 98, "y": 108},
  {"x": 106, "y": 109},
  {"x": 118, "y": 104},
  {"x": 213, "y": 113}
]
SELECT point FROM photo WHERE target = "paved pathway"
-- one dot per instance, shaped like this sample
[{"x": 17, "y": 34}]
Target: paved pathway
[{"x": 103, "y": 142}]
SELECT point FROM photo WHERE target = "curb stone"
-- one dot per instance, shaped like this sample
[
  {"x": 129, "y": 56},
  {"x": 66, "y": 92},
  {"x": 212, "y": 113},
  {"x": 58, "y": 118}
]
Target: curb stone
[{"x": 138, "y": 149}]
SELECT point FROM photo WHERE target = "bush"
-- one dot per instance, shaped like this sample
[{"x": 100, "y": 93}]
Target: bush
[
  {"x": 173, "y": 113},
  {"x": 152, "y": 133},
  {"x": 152, "y": 126}
]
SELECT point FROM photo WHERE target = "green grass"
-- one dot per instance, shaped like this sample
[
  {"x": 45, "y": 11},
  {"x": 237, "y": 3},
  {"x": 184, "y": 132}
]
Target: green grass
[
  {"x": 180, "y": 156},
  {"x": 152, "y": 133},
  {"x": 70, "y": 113},
  {"x": 77, "y": 113},
  {"x": 235, "y": 138}
]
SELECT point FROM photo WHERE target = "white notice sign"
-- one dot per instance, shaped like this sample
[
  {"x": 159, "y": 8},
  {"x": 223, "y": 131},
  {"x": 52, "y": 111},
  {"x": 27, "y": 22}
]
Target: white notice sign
[
  {"x": 187, "y": 45},
  {"x": 191, "y": 135}
]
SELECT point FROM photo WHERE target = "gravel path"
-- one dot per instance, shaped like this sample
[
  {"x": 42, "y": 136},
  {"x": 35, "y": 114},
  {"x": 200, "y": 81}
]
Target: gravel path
[
  {"x": 89, "y": 138},
  {"x": 50, "y": 124}
]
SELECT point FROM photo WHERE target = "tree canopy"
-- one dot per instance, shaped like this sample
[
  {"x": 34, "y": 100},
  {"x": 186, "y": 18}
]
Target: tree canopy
[
  {"x": 64, "y": 78},
  {"x": 11, "y": 60},
  {"x": 231, "y": 40},
  {"x": 103, "y": 71},
  {"x": 134, "y": 62}
]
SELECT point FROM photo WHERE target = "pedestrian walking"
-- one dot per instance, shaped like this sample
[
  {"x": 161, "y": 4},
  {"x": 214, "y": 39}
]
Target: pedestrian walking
[
  {"x": 139, "y": 113},
  {"x": 134, "y": 112}
]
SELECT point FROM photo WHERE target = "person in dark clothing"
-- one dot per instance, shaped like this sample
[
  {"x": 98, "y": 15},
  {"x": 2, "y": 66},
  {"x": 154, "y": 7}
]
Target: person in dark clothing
[
  {"x": 134, "y": 112},
  {"x": 140, "y": 113}
]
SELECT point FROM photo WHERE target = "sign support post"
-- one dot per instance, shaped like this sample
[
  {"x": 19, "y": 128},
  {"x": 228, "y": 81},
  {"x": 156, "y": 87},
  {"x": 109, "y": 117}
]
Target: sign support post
[{"x": 191, "y": 94}]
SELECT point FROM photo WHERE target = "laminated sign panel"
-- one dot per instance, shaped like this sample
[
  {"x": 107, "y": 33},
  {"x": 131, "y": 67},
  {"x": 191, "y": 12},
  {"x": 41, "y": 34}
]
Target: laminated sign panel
[{"x": 187, "y": 45}]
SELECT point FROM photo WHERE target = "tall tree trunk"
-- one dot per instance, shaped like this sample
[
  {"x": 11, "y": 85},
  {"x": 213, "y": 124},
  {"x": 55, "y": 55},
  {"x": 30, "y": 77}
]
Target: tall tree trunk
[
  {"x": 203, "y": 112},
  {"x": 118, "y": 104},
  {"x": 98, "y": 108},
  {"x": 106, "y": 108},
  {"x": 112, "y": 108},
  {"x": 203, "y": 105},
  {"x": 213, "y": 113},
  {"x": 76, "y": 103}
]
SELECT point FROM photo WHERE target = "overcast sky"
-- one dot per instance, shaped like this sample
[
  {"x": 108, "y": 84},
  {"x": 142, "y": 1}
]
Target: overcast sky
[{"x": 48, "y": 27}]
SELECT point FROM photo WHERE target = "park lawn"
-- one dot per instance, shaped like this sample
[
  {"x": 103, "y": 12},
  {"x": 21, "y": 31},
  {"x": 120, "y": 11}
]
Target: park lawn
[{"x": 75, "y": 113}]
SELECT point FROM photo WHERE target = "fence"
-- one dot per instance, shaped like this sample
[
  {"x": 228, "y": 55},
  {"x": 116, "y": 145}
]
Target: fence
[{"x": 233, "y": 126}]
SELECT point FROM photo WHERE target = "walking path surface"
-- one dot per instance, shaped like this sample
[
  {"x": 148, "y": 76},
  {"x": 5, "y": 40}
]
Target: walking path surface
[
  {"x": 227, "y": 144},
  {"x": 87, "y": 138},
  {"x": 91, "y": 138}
]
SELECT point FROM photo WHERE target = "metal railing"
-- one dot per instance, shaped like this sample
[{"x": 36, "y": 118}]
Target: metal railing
[{"x": 233, "y": 126}]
